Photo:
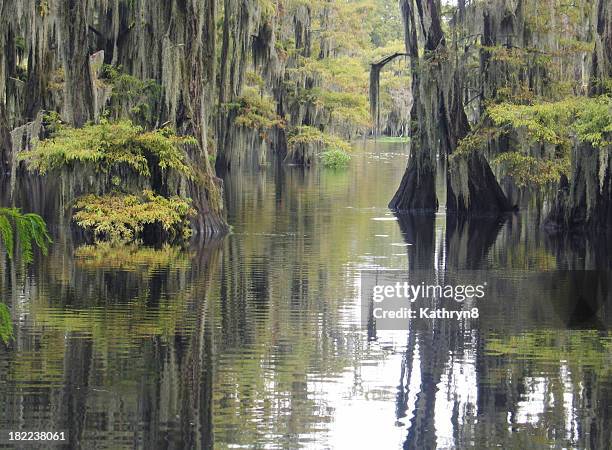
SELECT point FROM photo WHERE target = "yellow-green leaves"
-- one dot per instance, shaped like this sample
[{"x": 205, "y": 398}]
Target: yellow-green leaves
[
  {"x": 257, "y": 112},
  {"x": 586, "y": 119},
  {"x": 594, "y": 122},
  {"x": 528, "y": 170},
  {"x": 122, "y": 218},
  {"x": 312, "y": 135},
  {"x": 108, "y": 145},
  {"x": 335, "y": 158}
]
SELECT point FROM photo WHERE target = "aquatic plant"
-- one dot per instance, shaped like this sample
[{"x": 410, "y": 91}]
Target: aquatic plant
[
  {"x": 335, "y": 158},
  {"x": 125, "y": 217}
]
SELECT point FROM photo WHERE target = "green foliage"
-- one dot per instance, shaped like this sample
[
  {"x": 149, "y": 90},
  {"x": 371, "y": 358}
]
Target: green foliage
[
  {"x": 531, "y": 171},
  {"x": 594, "y": 121},
  {"x": 335, "y": 158},
  {"x": 28, "y": 230},
  {"x": 6, "y": 324},
  {"x": 386, "y": 23},
  {"x": 256, "y": 112},
  {"x": 559, "y": 124},
  {"x": 310, "y": 135},
  {"x": 20, "y": 43},
  {"x": 122, "y": 218},
  {"x": 107, "y": 145},
  {"x": 586, "y": 119},
  {"x": 52, "y": 122},
  {"x": 346, "y": 108},
  {"x": 478, "y": 140}
]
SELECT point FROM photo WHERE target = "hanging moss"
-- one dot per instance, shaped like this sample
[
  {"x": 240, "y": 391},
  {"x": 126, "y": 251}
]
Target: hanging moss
[
  {"x": 256, "y": 112},
  {"x": 306, "y": 144}
]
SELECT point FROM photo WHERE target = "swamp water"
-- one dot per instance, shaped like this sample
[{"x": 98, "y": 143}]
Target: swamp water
[{"x": 256, "y": 341}]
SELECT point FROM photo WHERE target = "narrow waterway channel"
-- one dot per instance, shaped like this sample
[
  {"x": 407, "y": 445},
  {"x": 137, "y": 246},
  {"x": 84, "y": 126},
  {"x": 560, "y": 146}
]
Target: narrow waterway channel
[{"x": 256, "y": 340}]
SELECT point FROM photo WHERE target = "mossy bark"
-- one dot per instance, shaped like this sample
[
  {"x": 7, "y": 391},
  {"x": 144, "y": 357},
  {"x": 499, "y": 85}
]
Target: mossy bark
[
  {"x": 472, "y": 189},
  {"x": 73, "y": 42},
  {"x": 441, "y": 122},
  {"x": 417, "y": 188},
  {"x": 170, "y": 42},
  {"x": 584, "y": 203}
]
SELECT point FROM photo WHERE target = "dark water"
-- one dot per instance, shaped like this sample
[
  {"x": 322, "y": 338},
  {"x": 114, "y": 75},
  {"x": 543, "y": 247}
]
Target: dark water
[{"x": 255, "y": 342}]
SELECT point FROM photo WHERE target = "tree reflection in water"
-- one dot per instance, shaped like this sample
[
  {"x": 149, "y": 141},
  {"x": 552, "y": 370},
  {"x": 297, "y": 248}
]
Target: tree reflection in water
[{"x": 255, "y": 341}]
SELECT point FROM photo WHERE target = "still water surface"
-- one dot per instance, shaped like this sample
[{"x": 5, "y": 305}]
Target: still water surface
[{"x": 255, "y": 341}]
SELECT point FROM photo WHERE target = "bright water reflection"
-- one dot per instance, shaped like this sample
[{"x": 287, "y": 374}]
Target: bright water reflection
[{"x": 255, "y": 341}]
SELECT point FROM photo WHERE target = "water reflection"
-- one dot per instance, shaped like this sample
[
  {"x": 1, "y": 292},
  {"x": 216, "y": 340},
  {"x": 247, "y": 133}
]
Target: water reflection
[
  {"x": 256, "y": 340},
  {"x": 113, "y": 346},
  {"x": 532, "y": 373}
]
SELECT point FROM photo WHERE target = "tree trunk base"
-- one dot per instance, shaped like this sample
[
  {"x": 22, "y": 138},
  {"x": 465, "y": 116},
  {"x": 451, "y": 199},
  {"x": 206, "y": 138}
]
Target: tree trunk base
[
  {"x": 586, "y": 203},
  {"x": 417, "y": 191},
  {"x": 473, "y": 190}
]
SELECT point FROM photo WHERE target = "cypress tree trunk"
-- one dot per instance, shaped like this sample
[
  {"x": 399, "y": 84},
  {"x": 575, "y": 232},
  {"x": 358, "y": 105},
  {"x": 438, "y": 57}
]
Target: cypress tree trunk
[
  {"x": 78, "y": 88},
  {"x": 585, "y": 203},
  {"x": 171, "y": 43},
  {"x": 441, "y": 122},
  {"x": 472, "y": 189},
  {"x": 417, "y": 188}
]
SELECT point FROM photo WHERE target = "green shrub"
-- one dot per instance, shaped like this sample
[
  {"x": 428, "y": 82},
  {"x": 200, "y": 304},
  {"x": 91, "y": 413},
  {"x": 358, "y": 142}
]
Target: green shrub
[
  {"x": 122, "y": 218},
  {"x": 335, "y": 158},
  {"x": 311, "y": 135},
  {"x": 6, "y": 324},
  {"x": 107, "y": 145}
]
